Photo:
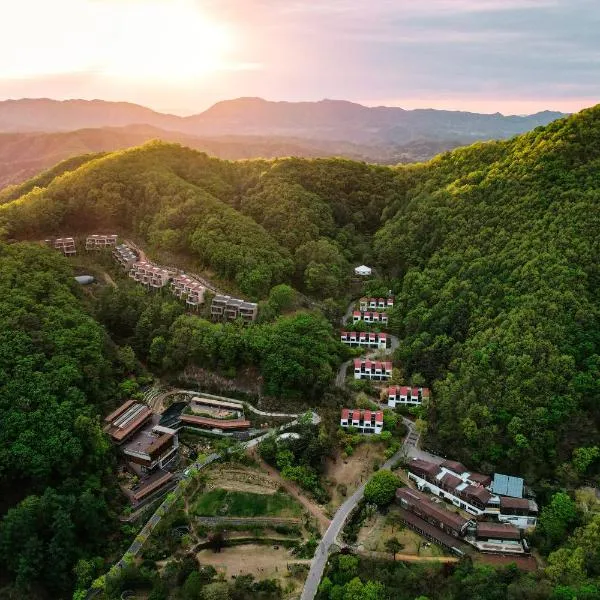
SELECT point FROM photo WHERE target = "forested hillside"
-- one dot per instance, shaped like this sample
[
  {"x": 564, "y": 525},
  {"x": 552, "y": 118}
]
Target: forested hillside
[
  {"x": 257, "y": 223},
  {"x": 57, "y": 375},
  {"x": 497, "y": 256},
  {"x": 492, "y": 250}
]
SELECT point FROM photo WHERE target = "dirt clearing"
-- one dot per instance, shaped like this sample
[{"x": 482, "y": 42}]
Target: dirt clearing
[
  {"x": 351, "y": 471},
  {"x": 263, "y": 562}
]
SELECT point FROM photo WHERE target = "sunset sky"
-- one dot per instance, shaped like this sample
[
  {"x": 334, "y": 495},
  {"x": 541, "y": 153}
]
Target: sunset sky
[{"x": 511, "y": 56}]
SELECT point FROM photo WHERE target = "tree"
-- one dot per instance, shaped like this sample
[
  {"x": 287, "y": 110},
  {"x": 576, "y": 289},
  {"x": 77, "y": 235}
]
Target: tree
[
  {"x": 381, "y": 488},
  {"x": 584, "y": 457},
  {"x": 393, "y": 546},
  {"x": 556, "y": 520}
]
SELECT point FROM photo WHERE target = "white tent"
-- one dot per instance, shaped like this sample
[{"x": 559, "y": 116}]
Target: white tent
[{"x": 363, "y": 270}]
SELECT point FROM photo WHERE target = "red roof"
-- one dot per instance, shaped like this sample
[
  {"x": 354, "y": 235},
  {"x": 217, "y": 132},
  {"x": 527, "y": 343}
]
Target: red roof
[
  {"x": 345, "y": 413},
  {"x": 392, "y": 391},
  {"x": 414, "y": 392},
  {"x": 356, "y": 313},
  {"x": 356, "y": 415},
  {"x": 379, "y": 416},
  {"x": 382, "y": 336},
  {"x": 343, "y": 333},
  {"x": 357, "y": 362},
  {"x": 404, "y": 390},
  {"x": 425, "y": 392},
  {"x": 384, "y": 315},
  {"x": 118, "y": 411},
  {"x": 367, "y": 415},
  {"x": 388, "y": 365}
]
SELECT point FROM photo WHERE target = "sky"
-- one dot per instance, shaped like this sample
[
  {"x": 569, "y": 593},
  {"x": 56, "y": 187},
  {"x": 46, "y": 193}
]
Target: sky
[{"x": 182, "y": 56}]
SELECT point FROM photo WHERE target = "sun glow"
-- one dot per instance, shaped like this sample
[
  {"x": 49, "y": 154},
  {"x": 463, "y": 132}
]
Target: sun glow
[
  {"x": 146, "y": 40},
  {"x": 158, "y": 40}
]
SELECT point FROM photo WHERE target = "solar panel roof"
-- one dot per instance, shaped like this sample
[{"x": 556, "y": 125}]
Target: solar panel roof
[{"x": 507, "y": 485}]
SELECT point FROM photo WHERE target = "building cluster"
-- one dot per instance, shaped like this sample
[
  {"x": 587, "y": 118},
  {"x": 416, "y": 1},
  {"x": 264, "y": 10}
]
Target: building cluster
[
  {"x": 406, "y": 396},
  {"x": 226, "y": 308},
  {"x": 218, "y": 416},
  {"x": 150, "y": 275},
  {"x": 183, "y": 286},
  {"x": 376, "y": 304},
  {"x": 66, "y": 245},
  {"x": 500, "y": 498},
  {"x": 147, "y": 448},
  {"x": 365, "y": 421},
  {"x": 374, "y": 370},
  {"x": 100, "y": 242},
  {"x": 364, "y": 339},
  {"x": 370, "y": 317},
  {"x": 453, "y": 531}
]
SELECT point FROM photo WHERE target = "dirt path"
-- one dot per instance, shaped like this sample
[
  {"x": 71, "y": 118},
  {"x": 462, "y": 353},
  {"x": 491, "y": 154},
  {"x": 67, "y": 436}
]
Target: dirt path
[
  {"x": 109, "y": 279},
  {"x": 407, "y": 557},
  {"x": 293, "y": 490}
]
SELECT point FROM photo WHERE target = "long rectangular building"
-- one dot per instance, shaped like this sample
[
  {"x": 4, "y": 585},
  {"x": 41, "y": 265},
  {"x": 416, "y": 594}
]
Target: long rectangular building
[
  {"x": 372, "y": 369},
  {"x": 222, "y": 424},
  {"x": 99, "y": 242},
  {"x": 228, "y": 309},
  {"x": 370, "y": 317},
  {"x": 365, "y": 421},
  {"x": 126, "y": 420},
  {"x": 406, "y": 396},
  {"x": 432, "y": 512},
  {"x": 364, "y": 339},
  {"x": 366, "y": 304}
]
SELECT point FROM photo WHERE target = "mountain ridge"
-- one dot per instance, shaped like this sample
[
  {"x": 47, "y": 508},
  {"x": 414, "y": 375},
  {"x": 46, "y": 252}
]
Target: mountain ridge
[{"x": 326, "y": 119}]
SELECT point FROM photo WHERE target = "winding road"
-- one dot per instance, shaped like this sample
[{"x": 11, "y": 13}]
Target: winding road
[{"x": 330, "y": 537}]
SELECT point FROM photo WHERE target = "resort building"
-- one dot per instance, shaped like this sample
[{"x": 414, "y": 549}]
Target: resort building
[
  {"x": 66, "y": 245},
  {"x": 366, "y": 304},
  {"x": 372, "y": 369},
  {"x": 419, "y": 504},
  {"x": 150, "y": 275},
  {"x": 365, "y": 421},
  {"x": 472, "y": 492},
  {"x": 99, "y": 242},
  {"x": 125, "y": 256},
  {"x": 364, "y": 339},
  {"x": 406, "y": 396},
  {"x": 152, "y": 447},
  {"x": 369, "y": 317},
  {"x": 188, "y": 289},
  {"x": 227, "y": 308},
  {"x": 126, "y": 420},
  {"x": 218, "y": 425}
]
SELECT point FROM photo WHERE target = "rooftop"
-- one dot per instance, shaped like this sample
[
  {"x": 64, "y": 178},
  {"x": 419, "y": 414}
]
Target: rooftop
[{"x": 507, "y": 485}]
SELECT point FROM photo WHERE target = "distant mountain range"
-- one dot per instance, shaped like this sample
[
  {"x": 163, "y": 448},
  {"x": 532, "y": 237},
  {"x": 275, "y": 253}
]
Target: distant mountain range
[
  {"x": 325, "y": 120},
  {"x": 37, "y": 133}
]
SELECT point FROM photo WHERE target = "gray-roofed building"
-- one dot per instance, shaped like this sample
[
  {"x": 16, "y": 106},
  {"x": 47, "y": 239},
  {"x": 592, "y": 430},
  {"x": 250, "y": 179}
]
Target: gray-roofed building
[
  {"x": 228, "y": 308},
  {"x": 507, "y": 485}
]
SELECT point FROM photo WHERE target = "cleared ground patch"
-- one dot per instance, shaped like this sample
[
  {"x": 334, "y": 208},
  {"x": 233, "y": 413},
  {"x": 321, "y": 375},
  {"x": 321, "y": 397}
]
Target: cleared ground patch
[
  {"x": 346, "y": 474},
  {"x": 221, "y": 502},
  {"x": 261, "y": 561},
  {"x": 380, "y": 528},
  {"x": 243, "y": 479}
]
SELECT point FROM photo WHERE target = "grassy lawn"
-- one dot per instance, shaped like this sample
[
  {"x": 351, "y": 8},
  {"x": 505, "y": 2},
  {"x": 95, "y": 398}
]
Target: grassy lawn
[{"x": 228, "y": 503}]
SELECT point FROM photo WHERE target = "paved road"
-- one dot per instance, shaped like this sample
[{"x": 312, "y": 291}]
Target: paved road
[{"x": 330, "y": 537}]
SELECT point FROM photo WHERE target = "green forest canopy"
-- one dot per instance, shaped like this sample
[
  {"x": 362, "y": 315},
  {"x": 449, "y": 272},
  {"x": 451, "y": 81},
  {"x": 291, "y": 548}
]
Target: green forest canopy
[{"x": 492, "y": 251}]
